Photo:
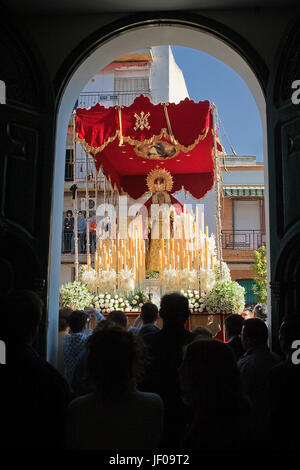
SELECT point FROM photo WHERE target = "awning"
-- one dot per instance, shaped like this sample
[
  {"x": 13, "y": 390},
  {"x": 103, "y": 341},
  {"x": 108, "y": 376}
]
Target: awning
[
  {"x": 127, "y": 143},
  {"x": 243, "y": 191}
]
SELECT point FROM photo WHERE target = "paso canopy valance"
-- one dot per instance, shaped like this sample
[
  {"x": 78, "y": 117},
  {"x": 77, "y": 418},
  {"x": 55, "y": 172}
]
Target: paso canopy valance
[{"x": 128, "y": 142}]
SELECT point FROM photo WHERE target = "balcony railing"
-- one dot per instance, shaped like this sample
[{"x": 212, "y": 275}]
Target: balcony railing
[
  {"x": 110, "y": 98},
  {"x": 242, "y": 239}
]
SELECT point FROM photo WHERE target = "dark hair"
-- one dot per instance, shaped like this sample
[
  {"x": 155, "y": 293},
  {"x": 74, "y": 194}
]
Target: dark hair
[
  {"x": 202, "y": 331},
  {"x": 77, "y": 321},
  {"x": 290, "y": 330},
  {"x": 259, "y": 311},
  {"x": 149, "y": 312},
  {"x": 256, "y": 331},
  {"x": 27, "y": 309},
  {"x": 118, "y": 317},
  {"x": 211, "y": 385},
  {"x": 234, "y": 324},
  {"x": 69, "y": 212},
  {"x": 114, "y": 358},
  {"x": 174, "y": 308},
  {"x": 211, "y": 374},
  {"x": 64, "y": 314}
]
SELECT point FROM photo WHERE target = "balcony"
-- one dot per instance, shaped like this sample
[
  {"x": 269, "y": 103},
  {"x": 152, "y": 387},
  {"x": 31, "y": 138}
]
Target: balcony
[
  {"x": 110, "y": 98},
  {"x": 242, "y": 239}
]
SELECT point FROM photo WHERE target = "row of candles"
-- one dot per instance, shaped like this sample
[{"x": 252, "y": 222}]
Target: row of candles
[{"x": 192, "y": 250}]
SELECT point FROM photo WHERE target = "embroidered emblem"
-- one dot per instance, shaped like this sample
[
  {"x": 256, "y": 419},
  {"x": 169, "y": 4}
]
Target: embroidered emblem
[{"x": 141, "y": 121}]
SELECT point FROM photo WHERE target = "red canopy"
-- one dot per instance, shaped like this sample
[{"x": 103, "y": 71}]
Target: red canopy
[{"x": 128, "y": 142}]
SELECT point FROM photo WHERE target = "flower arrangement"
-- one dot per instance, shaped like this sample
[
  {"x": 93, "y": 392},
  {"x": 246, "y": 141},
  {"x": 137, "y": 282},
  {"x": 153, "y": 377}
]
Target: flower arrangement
[
  {"x": 225, "y": 297},
  {"x": 107, "y": 281},
  {"x": 196, "y": 302},
  {"x": 188, "y": 278},
  {"x": 207, "y": 279},
  {"x": 126, "y": 278},
  {"x": 107, "y": 303},
  {"x": 152, "y": 274},
  {"x": 75, "y": 295},
  {"x": 88, "y": 276},
  {"x": 136, "y": 300},
  {"x": 226, "y": 276},
  {"x": 170, "y": 280}
]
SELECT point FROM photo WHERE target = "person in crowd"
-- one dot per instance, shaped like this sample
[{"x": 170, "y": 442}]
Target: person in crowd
[
  {"x": 94, "y": 315},
  {"x": 145, "y": 323},
  {"x": 36, "y": 394},
  {"x": 63, "y": 329},
  {"x": 202, "y": 332},
  {"x": 92, "y": 229},
  {"x": 166, "y": 349},
  {"x": 104, "y": 227},
  {"x": 284, "y": 386},
  {"x": 220, "y": 415},
  {"x": 254, "y": 367},
  {"x": 73, "y": 343},
  {"x": 260, "y": 311},
  {"x": 68, "y": 232},
  {"x": 81, "y": 226},
  {"x": 118, "y": 317},
  {"x": 233, "y": 328},
  {"x": 115, "y": 415}
]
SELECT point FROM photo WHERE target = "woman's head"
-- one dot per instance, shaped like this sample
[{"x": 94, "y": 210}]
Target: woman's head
[
  {"x": 115, "y": 359},
  {"x": 69, "y": 213}
]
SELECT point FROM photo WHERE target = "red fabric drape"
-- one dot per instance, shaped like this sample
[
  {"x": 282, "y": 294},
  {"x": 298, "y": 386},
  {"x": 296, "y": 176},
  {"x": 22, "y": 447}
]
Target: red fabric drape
[{"x": 192, "y": 167}]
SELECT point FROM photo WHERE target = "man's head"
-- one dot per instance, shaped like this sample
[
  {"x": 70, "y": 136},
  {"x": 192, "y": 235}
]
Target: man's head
[
  {"x": 119, "y": 318},
  {"x": 77, "y": 321},
  {"x": 289, "y": 332},
  {"x": 149, "y": 313},
  {"x": 254, "y": 333},
  {"x": 174, "y": 309},
  {"x": 64, "y": 314},
  {"x": 233, "y": 325},
  {"x": 80, "y": 214},
  {"x": 22, "y": 314},
  {"x": 260, "y": 312}
]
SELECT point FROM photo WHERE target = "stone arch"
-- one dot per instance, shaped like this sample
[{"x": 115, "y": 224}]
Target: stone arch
[{"x": 114, "y": 41}]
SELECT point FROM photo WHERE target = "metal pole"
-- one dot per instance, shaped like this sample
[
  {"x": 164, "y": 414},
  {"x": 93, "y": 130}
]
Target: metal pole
[
  {"x": 76, "y": 261},
  {"x": 217, "y": 190},
  {"x": 87, "y": 210}
]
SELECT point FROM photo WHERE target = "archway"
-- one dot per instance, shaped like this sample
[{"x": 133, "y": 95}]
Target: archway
[{"x": 137, "y": 37}]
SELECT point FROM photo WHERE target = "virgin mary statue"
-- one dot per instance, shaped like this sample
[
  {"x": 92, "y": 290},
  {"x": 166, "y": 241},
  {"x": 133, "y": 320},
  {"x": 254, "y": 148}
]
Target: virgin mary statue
[{"x": 162, "y": 207}]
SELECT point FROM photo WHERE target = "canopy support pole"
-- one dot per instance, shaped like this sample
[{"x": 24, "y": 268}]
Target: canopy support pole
[
  {"x": 87, "y": 210},
  {"x": 217, "y": 190},
  {"x": 76, "y": 260}
]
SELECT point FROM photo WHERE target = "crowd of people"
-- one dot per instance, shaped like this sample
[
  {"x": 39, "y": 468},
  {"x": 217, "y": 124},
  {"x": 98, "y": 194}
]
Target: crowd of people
[
  {"x": 102, "y": 229},
  {"x": 144, "y": 387}
]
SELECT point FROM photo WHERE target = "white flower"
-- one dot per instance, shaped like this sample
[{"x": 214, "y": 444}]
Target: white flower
[
  {"x": 197, "y": 296},
  {"x": 140, "y": 305},
  {"x": 136, "y": 297},
  {"x": 134, "y": 302},
  {"x": 101, "y": 296},
  {"x": 195, "y": 310},
  {"x": 116, "y": 296},
  {"x": 196, "y": 304}
]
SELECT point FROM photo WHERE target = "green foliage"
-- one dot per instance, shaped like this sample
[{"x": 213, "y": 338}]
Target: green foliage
[
  {"x": 152, "y": 274},
  {"x": 260, "y": 270}
]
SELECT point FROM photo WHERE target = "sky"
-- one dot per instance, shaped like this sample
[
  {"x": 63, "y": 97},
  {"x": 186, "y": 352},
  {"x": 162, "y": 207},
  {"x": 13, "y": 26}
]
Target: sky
[{"x": 210, "y": 79}]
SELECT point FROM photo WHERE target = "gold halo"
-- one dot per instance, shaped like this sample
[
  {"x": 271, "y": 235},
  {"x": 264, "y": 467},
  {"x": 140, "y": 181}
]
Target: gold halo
[{"x": 165, "y": 175}]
